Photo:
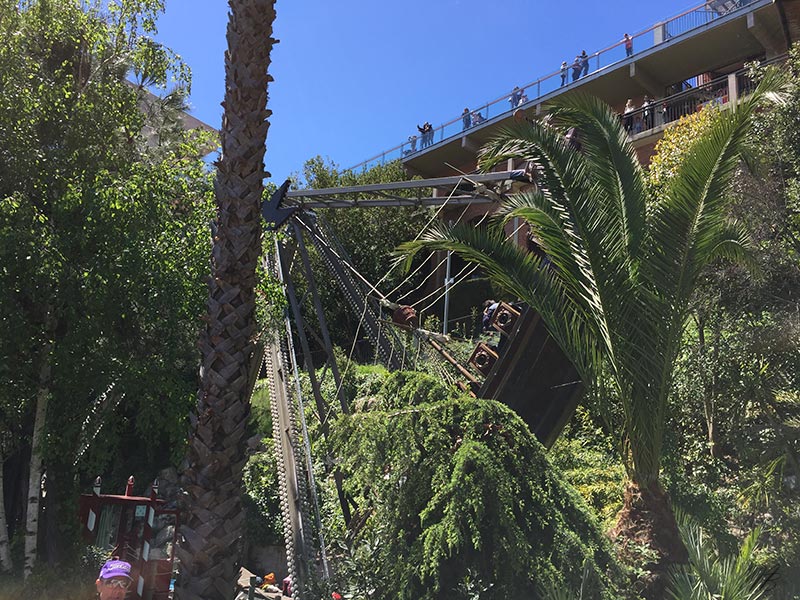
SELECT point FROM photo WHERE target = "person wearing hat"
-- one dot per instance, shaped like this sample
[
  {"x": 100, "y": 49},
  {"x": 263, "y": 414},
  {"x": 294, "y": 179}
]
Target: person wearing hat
[{"x": 114, "y": 580}]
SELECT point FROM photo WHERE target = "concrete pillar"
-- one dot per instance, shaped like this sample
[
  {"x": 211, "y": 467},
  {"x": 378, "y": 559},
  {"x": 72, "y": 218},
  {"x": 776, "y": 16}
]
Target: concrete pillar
[
  {"x": 659, "y": 33},
  {"x": 733, "y": 89}
]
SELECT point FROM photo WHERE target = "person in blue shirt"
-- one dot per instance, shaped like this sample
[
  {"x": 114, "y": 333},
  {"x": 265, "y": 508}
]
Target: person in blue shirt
[
  {"x": 466, "y": 119},
  {"x": 576, "y": 68},
  {"x": 584, "y": 64}
]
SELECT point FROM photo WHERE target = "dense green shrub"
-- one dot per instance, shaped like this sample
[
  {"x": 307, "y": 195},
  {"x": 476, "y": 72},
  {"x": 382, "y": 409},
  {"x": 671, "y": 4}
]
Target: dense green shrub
[{"x": 457, "y": 494}]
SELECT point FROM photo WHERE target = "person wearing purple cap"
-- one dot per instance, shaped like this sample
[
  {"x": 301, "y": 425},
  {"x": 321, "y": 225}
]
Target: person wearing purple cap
[{"x": 114, "y": 580}]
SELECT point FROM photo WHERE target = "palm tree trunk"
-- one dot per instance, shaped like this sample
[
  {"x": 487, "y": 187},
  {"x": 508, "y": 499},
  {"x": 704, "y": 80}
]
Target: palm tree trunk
[
  {"x": 710, "y": 382},
  {"x": 647, "y": 519},
  {"x": 213, "y": 469},
  {"x": 5, "y": 554}
]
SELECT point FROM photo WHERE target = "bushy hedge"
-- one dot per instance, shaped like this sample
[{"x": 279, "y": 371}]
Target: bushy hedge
[{"x": 461, "y": 501}]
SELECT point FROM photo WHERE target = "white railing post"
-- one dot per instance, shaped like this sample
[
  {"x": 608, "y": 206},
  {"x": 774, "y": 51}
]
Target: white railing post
[
  {"x": 658, "y": 34},
  {"x": 733, "y": 89}
]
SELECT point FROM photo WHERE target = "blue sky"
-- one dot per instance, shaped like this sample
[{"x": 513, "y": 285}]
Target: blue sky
[{"x": 354, "y": 77}]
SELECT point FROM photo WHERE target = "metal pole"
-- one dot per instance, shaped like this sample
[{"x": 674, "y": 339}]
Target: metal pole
[
  {"x": 322, "y": 406},
  {"x": 320, "y": 402},
  {"x": 323, "y": 322},
  {"x": 447, "y": 282}
]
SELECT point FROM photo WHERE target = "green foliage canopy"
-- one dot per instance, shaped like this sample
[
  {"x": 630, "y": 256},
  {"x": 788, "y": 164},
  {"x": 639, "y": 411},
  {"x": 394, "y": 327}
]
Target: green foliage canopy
[
  {"x": 622, "y": 277},
  {"x": 103, "y": 237},
  {"x": 457, "y": 490}
]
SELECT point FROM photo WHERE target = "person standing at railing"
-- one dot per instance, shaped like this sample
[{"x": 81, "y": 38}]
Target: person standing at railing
[
  {"x": 627, "y": 117},
  {"x": 628, "y": 45},
  {"x": 427, "y": 134},
  {"x": 513, "y": 99},
  {"x": 584, "y": 64},
  {"x": 665, "y": 113},
  {"x": 412, "y": 139},
  {"x": 423, "y": 134},
  {"x": 647, "y": 113},
  {"x": 564, "y": 67},
  {"x": 576, "y": 68},
  {"x": 466, "y": 119}
]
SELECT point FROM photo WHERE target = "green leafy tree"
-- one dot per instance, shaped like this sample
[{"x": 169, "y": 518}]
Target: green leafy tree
[
  {"x": 102, "y": 243},
  {"x": 457, "y": 500},
  {"x": 737, "y": 372},
  {"x": 622, "y": 268}
]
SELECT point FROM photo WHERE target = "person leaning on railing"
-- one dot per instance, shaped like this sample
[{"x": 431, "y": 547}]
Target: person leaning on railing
[
  {"x": 627, "y": 117},
  {"x": 647, "y": 113},
  {"x": 576, "y": 67}
]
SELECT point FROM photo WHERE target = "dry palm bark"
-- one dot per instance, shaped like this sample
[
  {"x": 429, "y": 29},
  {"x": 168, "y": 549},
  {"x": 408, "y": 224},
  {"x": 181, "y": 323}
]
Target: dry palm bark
[{"x": 212, "y": 473}]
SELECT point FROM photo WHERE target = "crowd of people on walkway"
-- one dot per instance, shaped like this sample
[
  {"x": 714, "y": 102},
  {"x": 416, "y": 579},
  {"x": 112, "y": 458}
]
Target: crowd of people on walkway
[
  {"x": 636, "y": 119},
  {"x": 579, "y": 68}
]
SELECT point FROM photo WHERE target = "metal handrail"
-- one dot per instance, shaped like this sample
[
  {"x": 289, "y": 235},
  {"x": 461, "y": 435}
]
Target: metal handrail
[
  {"x": 670, "y": 108},
  {"x": 707, "y": 12}
]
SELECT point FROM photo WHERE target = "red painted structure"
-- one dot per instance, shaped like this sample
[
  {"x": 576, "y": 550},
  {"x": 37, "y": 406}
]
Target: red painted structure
[{"x": 138, "y": 529}]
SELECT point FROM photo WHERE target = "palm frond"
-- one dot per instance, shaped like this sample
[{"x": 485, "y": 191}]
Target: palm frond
[
  {"x": 711, "y": 575},
  {"x": 522, "y": 275},
  {"x": 593, "y": 226},
  {"x": 614, "y": 164},
  {"x": 689, "y": 229},
  {"x": 692, "y": 212}
]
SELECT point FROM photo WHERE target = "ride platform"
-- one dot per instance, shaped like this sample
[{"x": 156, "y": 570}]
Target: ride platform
[{"x": 528, "y": 372}]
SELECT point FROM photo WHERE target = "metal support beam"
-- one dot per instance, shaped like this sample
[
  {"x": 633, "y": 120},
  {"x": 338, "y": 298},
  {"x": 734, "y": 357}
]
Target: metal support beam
[
  {"x": 358, "y": 300},
  {"x": 323, "y": 321},
  {"x": 433, "y": 200},
  {"x": 461, "y": 190},
  {"x": 402, "y": 185},
  {"x": 322, "y": 406}
]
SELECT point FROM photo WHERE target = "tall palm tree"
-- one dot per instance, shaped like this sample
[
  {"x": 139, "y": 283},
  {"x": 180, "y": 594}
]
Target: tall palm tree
[
  {"x": 213, "y": 469},
  {"x": 621, "y": 268}
]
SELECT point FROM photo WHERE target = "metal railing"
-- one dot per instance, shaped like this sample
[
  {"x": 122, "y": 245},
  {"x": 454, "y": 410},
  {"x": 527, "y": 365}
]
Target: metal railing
[
  {"x": 716, "y": 92},
  {"x": 664, "y": 110},
  {"x": 529, "y": 94}
]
